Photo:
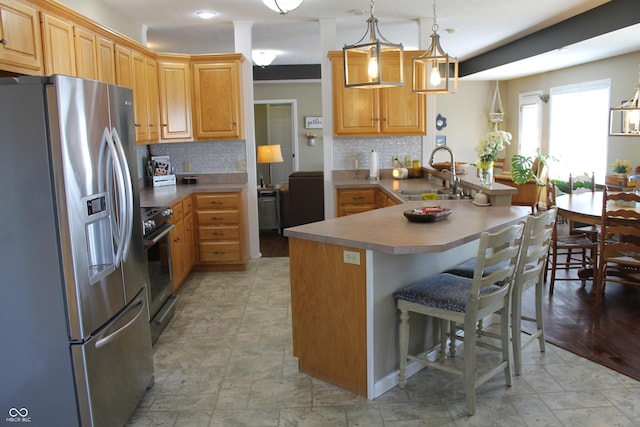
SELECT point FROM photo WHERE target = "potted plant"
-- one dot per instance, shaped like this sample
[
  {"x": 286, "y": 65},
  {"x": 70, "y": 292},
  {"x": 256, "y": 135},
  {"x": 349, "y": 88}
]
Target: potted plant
[
  {"x": 621, "y": 167},
  {"x": 488, "y": 149},
  {"x": 522, "y": 168}
]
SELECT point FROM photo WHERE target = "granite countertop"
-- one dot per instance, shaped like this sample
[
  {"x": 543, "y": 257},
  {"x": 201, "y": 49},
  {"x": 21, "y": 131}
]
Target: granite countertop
[
  {"x": 166, "y": 196},
  {"x": 432, "y": 179},
  {"x": 387, "y": 230}
]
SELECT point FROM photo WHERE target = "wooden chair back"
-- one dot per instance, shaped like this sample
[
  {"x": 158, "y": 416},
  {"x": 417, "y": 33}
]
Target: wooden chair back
[{"x": 619, "y": 252}]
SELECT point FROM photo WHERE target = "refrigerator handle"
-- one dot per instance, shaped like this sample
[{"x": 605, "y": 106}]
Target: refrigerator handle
[
  {"x": 117, "y": 169},
  {"x": 114, "y": 335},
  {"x": 128, "y": 192}
]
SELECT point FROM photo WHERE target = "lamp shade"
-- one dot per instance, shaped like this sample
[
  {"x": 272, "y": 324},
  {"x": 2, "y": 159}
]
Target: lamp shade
[
  {"x": 269, "y": 154},
  {"x": 282, "y": 6}
]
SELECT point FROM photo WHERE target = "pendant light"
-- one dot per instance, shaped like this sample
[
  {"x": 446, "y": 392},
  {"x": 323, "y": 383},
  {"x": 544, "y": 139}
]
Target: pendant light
[
  {"x": 624, "y": 120},
  {"x": 373, "y": 62},
  {"x": 282, "y": 6},
  {"x": 435, "y": 71}
]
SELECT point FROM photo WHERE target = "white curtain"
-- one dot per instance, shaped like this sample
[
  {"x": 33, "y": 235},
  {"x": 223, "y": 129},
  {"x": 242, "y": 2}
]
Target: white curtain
[{"x": 578, "y": 129}]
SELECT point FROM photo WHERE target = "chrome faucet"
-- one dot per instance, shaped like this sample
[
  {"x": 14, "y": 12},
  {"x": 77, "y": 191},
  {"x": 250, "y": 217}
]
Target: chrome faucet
[{"x": 453, "y": 179}]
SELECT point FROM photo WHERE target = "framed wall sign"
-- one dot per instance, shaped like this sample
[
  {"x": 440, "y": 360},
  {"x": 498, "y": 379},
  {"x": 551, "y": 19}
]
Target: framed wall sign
[{"x": 311, "y": 122}]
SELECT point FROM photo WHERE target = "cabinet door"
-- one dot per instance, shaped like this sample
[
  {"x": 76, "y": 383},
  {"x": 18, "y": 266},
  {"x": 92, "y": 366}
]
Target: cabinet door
[
  {"x": 175, "y": 100},
  {"x": 124, "y": 66},
  {"x": 57, "y": 36},
  {"x": 355, "y": 111},
  {"x": 218, "y": 105},
  {"x": 140, "y": 97},
  {"x": 153, "y": 101},
  {"x": 85, "y": 52},
  {"x": 105, "y": 60},
  {"x": 21, "y": 48},
  {"x": 403, "y": 111},
  {"x": 177, "y": 254}
]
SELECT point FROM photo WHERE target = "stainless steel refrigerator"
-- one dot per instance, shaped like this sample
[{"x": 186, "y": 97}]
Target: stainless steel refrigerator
[{"x": 74, "y": 325}]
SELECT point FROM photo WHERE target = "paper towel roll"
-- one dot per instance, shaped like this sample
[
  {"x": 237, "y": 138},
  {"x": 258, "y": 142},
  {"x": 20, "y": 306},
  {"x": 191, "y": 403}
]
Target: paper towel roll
[{"x": 373, "y": 164}]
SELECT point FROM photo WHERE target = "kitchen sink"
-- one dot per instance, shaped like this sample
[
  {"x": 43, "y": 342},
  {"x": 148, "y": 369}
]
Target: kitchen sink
[{"x": 416, "y": 195}]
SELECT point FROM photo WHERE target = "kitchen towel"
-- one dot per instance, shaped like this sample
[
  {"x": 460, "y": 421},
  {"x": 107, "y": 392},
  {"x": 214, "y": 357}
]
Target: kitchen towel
[{"x": 373, "y": 164}]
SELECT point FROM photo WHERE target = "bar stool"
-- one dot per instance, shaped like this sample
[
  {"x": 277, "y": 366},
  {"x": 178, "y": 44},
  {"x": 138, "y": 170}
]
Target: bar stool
[
  {"x": 451, "y": 300},
  {"x": 529, "y": 273}
]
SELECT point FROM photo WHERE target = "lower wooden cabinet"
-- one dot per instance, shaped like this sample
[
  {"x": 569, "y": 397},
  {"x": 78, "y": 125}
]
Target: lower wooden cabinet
[
  {"x": 182, "y": 241},
  {"x": 219, "y": 231},
  {"x": 355, "y": 200},
  {"x": 352, "y": 201}
]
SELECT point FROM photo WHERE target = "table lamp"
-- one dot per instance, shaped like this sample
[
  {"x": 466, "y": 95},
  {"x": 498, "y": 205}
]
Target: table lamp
[{"x": 269, "y": 154}]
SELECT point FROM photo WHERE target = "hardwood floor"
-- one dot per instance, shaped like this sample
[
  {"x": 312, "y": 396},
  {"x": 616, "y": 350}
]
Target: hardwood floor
[
  {"x": 607, "y": 335},
  {"x": 273, "y": 244}
]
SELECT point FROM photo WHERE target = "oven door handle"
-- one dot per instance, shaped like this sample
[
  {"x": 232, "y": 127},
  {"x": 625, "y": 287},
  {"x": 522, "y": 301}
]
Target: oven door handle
[{"x": 156, "y": 239}]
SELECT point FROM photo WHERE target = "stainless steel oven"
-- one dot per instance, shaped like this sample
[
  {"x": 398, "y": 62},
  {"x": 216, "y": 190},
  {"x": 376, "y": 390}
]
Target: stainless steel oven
[{"x": 157, "y": 244}]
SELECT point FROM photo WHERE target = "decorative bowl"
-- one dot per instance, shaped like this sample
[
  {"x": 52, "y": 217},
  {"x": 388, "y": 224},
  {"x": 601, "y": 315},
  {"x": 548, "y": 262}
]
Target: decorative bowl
[{"x": 427, "y": 214}]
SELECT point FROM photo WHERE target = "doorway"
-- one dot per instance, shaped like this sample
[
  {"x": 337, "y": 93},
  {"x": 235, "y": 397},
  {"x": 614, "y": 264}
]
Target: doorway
[{"x": 276, "y": 123}]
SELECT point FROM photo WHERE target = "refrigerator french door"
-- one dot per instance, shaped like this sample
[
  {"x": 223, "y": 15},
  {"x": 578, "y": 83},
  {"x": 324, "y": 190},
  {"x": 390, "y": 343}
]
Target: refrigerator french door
[{"x": 74, "y": 313}]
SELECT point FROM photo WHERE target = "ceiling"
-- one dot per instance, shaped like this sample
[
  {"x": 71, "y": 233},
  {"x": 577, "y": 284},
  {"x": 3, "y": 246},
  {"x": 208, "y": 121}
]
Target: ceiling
[{"x": 467, "y": 28}]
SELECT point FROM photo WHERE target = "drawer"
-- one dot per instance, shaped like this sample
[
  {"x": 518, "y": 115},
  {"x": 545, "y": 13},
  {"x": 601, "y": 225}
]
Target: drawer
[
  {"x": 218, "y": 201},
  {"x": 230, "y": 232},
  {"x": 362, "y": 196},
  {"x": 219, "y": 251},
  {"x": 218, "y": 217}
]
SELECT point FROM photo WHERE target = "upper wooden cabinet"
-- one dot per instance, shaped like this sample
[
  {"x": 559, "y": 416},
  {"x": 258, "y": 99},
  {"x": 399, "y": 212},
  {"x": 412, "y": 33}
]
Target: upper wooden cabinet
[
  {"x": 175, "y": 99},
  {"x": 145, "y": 98},
  {"x": 106, "y": 60},
  {"x": 217, "y": 94},
  {"x": 124, "y": 66},
  {"x": 20, "y": 40},
  {"x": 396, "y": 111},
  {"x": 85, "y": 51},
  {"x": 59, "y": 49}
]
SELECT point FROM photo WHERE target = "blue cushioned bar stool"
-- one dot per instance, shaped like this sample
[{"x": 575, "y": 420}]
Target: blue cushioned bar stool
[
  {"x": 452, "y": 300},
  {"x": 529, "y": 273}
]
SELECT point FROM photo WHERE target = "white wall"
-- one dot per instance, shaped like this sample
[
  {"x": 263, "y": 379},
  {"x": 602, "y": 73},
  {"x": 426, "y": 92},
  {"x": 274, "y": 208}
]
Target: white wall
[
  {"x": 623, "y": 72},
  {"x": 105, "y": 15},
  {"x": 467, "y": 114}
]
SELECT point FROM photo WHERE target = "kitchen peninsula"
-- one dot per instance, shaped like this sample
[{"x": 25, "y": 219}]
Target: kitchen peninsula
[{"x": 345, "y": 270}]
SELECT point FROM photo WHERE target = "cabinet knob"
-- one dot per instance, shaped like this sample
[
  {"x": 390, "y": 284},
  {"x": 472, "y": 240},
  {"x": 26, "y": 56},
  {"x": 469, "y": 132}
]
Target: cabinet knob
[
  {"x": 164, "y": 125},
  {"x": 217, "y": 218},
  {"x": 3, "y": 41},
  {"x": 137, "y": 125}
]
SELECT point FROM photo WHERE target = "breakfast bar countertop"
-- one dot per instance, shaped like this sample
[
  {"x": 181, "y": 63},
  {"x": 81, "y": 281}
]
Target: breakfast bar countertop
[{"x": 388, "y": 231}]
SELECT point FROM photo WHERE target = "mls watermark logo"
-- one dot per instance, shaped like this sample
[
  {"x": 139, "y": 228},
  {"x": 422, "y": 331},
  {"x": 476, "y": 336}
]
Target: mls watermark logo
[{"x": 18, "y": 415}]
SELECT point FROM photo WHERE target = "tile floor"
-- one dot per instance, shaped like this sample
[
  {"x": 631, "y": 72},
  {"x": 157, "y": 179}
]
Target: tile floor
[{"x": 226, "y": 360}]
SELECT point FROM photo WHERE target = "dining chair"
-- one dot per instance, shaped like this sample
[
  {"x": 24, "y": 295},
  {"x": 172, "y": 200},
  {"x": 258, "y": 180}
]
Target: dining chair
[
  {"x": 529, "y": 273},
  {"x": 569, "y": 252},
  {"x": 591, "y": 231},
  {"x": 452, "y": 300},
  {"x": 619, "y": 259}
]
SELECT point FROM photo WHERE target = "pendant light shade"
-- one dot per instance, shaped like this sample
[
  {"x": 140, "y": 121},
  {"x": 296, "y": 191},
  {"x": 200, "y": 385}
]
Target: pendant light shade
[
  {"x": 373, "y": 62},
  {"x": 435, "y": 71},
  {"x": 282, "y": 6},
  {"x": 624, "y": 120}
]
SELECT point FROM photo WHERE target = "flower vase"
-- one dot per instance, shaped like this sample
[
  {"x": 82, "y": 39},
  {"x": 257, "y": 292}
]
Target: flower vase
[{"x": 485, "y": 172}]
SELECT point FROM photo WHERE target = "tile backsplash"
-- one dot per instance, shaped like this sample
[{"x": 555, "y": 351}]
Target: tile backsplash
[
  {"x": 202, "y": 157},
  {"x": 346, "y": 150}
]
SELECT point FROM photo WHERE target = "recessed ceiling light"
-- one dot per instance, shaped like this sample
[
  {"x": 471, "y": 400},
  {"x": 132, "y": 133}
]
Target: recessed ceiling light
[{"x": 206, "y": 15}]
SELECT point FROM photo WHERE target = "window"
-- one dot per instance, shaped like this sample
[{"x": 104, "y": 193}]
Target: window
[
  {"x": 530, "y": 137},
  {"x": 578, "y": 128}
]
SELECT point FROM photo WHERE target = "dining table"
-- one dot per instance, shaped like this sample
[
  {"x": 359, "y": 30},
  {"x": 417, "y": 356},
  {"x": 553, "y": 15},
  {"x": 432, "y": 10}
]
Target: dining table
[{"x": 585, "y": 208}]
